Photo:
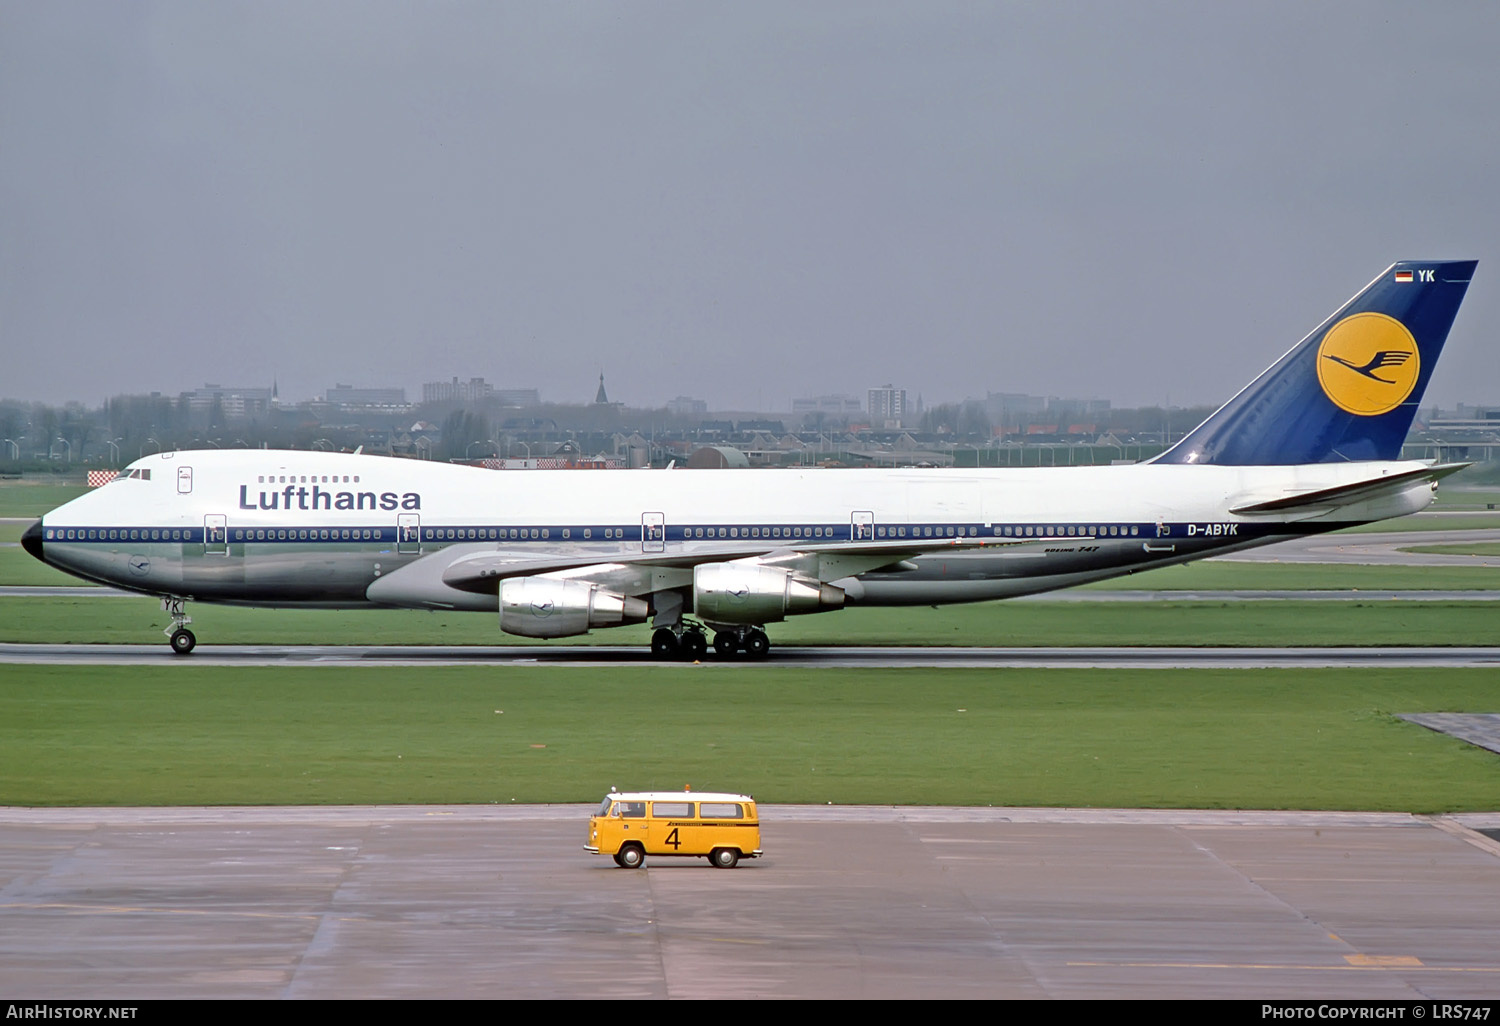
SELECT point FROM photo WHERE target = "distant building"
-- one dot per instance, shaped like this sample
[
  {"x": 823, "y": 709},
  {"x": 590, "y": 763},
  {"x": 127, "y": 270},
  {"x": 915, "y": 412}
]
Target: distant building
[
  {"x": 601, "y": 398},
  {"x": 887, "y": 406},
  {"x": 838, "y": 405},
  {"x": 684, "y": 405},
  {"x": 348, "y": 395},
  {"x": 518, "y": 398},
  {"x": 233, "y": 402},
  {"x": 1015, "y": 409},
  {"x": 455, "y": 391}
]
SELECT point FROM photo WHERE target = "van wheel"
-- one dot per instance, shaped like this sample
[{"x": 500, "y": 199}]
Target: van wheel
[
  {"x": 631, "y": 857},
  {"x": 725, "y": 858}
]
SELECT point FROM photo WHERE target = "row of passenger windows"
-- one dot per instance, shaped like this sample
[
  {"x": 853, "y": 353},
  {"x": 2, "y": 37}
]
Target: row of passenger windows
[
  {"x": 513, "y": 533},
  {"x": 1072, "y": 530},
  {"x": 121, "y": 534},
  {"x": 759, "y": 532},
  {"x": 586, "y": 533},
  {"x": 305, "y": 479},
  {"x": 310, "y": 534}
]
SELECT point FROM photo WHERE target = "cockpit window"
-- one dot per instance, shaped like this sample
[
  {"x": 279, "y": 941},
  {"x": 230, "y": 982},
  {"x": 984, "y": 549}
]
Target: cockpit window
[{"x": 138, "y": 474}]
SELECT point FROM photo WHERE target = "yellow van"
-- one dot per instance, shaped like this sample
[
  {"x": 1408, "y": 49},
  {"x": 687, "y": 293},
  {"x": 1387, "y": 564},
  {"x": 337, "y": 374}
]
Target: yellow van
[{"x": 722, "y": 828}]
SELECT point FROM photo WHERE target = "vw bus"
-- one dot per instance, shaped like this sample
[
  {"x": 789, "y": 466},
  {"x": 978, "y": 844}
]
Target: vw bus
[{"x": 722, "y": 828}]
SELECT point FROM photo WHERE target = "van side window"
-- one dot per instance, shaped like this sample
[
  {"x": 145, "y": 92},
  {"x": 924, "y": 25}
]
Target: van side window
[
  {"x": 672, "y": 810},
  {"x": 632, "y": 810},
  {"x": 722, "y": 810}
]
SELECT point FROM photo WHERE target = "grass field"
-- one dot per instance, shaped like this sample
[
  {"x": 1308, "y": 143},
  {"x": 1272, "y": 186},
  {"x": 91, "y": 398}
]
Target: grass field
[
  {"x": 86, "y": 620},
  {"x": 1445, "y": 521},
  {"x": 34, "y": 498},
  {"x": 1459, "y": 549},
  {"x": 1229, "y": 575},
  {"x": 1210, "y": 739}
]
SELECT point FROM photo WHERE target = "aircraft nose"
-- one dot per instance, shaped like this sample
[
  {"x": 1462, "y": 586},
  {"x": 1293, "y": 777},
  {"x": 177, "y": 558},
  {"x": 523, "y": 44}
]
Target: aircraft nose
[{"x": 31, "y": 540}]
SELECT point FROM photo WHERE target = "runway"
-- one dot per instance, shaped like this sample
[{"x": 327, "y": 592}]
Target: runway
[
  {"x": 828, "y": 657},
  {"x": 1386, "y": 548},
  {"x": 490, "y": 902}
]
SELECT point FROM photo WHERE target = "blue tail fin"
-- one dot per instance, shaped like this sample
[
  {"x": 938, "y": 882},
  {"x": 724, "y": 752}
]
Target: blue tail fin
[{"x": 1349, "y": 390}]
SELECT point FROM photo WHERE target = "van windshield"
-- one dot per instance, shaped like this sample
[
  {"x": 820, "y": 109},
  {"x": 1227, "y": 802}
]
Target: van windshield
[{"x": 604, "y": 807}]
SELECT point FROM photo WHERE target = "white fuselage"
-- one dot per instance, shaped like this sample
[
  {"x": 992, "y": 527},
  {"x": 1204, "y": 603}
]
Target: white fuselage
[{"x": 266, "y": 527}]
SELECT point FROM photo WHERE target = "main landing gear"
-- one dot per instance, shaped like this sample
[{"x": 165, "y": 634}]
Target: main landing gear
[
  {"x": 690, "y": 643},
  {"x": 181, "y": 639}
]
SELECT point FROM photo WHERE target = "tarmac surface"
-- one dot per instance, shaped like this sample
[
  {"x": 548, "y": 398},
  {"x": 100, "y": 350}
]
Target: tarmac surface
[{"x": 501, "y": 902}]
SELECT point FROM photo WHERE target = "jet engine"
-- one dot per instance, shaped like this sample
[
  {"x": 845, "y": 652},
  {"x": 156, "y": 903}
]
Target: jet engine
[
  {"x": 544, "y": 607},
  {"x": 752, "y": 593}
]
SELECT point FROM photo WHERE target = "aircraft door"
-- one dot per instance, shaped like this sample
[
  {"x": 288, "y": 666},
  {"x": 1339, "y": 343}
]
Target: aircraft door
[
  {"x": 653, "y": 532},
  {"x": 408, "y": 532},
  {"x": 184, "y": 480},
  {"x": 862, "y": 525},
  {"x": 215, "y": 535}
]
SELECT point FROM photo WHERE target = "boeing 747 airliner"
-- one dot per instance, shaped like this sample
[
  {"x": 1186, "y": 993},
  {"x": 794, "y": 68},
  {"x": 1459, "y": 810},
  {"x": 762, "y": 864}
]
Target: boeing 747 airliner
[{"x": 1311, "y": 445}]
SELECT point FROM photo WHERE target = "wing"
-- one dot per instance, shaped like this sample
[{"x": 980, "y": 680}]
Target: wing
[{"x": 469, "y": 576}]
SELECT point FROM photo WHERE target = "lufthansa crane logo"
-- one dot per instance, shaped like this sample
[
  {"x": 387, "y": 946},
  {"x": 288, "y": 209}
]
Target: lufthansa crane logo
[{"x": 1368, "y": 364}]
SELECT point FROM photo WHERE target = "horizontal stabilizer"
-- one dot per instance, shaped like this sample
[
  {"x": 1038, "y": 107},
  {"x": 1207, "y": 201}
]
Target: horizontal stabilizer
[{"x": 1343, "y": 495}]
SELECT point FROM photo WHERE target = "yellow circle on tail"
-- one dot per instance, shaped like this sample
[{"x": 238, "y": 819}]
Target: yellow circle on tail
[{"x": 1368, "y": 364}]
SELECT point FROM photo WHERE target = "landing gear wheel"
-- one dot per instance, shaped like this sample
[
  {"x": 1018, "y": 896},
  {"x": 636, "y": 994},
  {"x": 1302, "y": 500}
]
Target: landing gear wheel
[
  {"x": 183, "y": 641},
  {"x": 694, "y": 645},
  {"x": 664, "y": 644},
  {"x": 724, "y": 858},
  {"x": 631, "y": 857},
  {"x": 726, "y": 645},
  {"x": 757, "y": 644}
]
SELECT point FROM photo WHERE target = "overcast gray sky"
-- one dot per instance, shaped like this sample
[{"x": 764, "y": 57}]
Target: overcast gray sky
[{"x": 742, "y": 202}]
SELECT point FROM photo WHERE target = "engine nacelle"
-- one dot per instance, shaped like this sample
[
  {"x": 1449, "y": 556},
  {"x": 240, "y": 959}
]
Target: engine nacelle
[
  {"x": 544, "y": 607},
  {"x": 751, "y": 593}
]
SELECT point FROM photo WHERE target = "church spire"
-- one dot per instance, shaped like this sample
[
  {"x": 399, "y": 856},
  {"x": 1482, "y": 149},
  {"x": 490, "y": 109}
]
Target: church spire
[{"x": 601, "y": 399}]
